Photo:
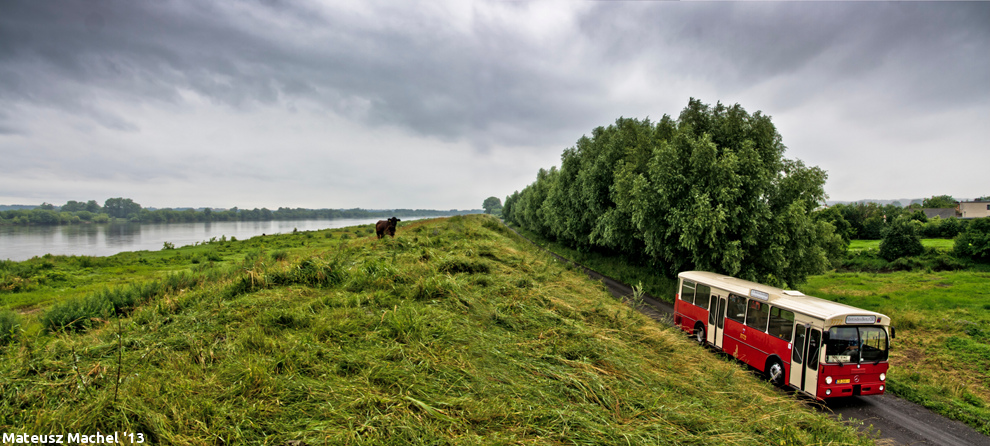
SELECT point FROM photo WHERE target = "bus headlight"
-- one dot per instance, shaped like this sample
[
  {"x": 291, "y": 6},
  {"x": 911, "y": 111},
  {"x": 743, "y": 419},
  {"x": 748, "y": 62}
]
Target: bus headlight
[
  {"x": 883, "y": 376},
  {"x": 828, "y": 380},
  {"x": 828, "y": 391},
  {"x": 881, "y": 388}
]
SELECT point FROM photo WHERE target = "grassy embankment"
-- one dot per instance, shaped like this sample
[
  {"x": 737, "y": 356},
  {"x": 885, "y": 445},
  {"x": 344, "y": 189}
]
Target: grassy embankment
[
  {"x": 941, "y": 356},
  {"x": 617, "y": 267},
  {"x": 455, "y": 332}
]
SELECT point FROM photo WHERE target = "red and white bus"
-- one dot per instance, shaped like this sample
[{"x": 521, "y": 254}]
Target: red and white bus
[{"x": 822, "y": 348}]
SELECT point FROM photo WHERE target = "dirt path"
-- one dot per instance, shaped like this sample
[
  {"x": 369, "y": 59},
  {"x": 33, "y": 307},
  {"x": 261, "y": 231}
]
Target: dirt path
[{"x": 893, "y": 420}]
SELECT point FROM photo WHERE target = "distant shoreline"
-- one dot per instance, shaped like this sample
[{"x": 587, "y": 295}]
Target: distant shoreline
[{"x": 51, "y": 216}]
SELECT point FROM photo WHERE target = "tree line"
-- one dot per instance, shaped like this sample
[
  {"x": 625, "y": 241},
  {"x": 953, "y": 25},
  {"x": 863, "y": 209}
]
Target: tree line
[
  {"x": 125, "y": 209},
  {"x": 870, "y": 221},
  {"x": 711, "y": 191}
]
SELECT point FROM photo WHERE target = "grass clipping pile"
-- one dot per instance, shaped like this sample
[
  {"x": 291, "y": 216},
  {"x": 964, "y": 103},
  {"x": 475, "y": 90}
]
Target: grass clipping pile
[{"x": 454, "y": 332}]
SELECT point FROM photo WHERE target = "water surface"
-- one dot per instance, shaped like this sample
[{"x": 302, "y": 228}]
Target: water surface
[{"x": 23, "y": 242}]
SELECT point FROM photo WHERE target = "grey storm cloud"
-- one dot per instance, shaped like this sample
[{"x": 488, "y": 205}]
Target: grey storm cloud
[
  {"x": 921, "y": 48},
  {"x": 506, "y": 79},
  {"x": 421, "y": 73},
  {"x": 418, "y": 73}
]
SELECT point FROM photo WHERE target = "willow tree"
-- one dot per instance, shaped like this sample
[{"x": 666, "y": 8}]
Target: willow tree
[
  {"x": 720, "y": 196},
  {"x": 711, "y": 191}
]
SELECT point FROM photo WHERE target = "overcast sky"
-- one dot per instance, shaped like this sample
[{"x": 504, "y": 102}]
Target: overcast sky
[{"x": 440, "y": 104}]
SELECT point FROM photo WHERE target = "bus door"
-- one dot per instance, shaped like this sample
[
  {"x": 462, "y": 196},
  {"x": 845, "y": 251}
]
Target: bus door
[
  {"x": 716, "y": 319},
  {"x": 805, "y": 353}
]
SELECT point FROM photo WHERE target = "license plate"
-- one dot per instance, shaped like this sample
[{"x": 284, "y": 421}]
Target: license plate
[{"x": 842, "y": 381}]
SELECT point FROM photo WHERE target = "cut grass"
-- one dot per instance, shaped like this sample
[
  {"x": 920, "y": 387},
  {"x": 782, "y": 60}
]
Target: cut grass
[{"x": 455, "y": 332}]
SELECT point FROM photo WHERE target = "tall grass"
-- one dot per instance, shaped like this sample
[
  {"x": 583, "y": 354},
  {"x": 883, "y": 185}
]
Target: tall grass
[
  {"x": 485, "y": 341},
  {"x": 83, "y": 312},
  {"x": 650, "y": 279},
  {"x": 10, "y": 327}
]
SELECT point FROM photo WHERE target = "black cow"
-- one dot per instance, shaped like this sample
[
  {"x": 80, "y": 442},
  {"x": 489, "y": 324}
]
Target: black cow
[{"x": 386, "y": 226}]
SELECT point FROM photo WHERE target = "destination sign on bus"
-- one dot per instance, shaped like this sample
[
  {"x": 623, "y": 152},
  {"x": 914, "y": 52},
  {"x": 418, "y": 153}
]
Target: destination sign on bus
[
  {"x": 861, "y": 319},
  {"x": 761, "y": 295}
]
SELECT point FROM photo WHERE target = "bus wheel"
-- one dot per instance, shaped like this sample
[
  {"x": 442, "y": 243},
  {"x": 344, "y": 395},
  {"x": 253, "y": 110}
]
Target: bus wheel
[
  {"x": 775, "y": 372},
  {"x": 699, "y": 334}
]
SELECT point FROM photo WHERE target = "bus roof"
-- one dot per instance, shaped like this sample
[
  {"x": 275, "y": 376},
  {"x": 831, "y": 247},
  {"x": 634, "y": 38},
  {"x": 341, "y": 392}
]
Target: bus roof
[{"x": 791, "y": 300}]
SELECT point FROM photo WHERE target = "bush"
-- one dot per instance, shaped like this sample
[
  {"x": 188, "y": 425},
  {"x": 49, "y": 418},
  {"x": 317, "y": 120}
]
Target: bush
[
  {"x": 10, "y": 327},
  {"x": 942, "y": 228},
  {"x": 869, "y": 260},
  {"x": 873, "y": 228},
  {"x": 77, "y": 314},
  {"x": 974, "y": 243},
  {"x": 901, "y": 239}
]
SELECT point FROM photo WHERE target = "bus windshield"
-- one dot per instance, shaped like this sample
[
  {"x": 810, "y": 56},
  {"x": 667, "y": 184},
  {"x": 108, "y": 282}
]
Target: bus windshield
[{"x": 856, "y": 344}]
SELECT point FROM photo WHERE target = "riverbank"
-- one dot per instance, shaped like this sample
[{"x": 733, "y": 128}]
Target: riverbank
[{"x": 453, "y": 332}]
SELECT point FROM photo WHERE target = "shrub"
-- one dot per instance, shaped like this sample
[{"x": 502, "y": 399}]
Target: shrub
[
  {"x": 906, "y": 264},
  {"x": 77, "y": 314},
  {"x": 10, "y": 327},
  {"x": 122, "y": 298},
  {"x": 942, "y": 228},
  {"x": 947, "y": 264},
  {"x": 901, "y": 239},
  {"x": 873, "y": 228},
  {"x": 214, "y": 256},
  {"x": 974, "y": 243}
]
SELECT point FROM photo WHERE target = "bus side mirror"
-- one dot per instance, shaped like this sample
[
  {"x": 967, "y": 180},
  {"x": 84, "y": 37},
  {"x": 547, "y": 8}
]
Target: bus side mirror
[
  {"x": 825, "y": 337},
  {"x": 892, "y": 335}
]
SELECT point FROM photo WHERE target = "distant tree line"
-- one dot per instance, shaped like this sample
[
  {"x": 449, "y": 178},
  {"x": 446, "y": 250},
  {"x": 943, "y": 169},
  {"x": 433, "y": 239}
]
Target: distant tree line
[
  {"x": 869, "y": 221},
  {"x": 125, "y": 209},
  {"x": 710, "y": 191}
]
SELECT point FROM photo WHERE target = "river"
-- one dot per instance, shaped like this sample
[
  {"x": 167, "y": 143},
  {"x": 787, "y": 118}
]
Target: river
[{"x": 24, "y": 242}]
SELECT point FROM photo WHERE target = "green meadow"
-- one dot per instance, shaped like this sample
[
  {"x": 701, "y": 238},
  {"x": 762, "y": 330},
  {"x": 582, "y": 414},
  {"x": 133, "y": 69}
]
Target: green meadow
[
  {"x": 939, "y": 243},
  {"x": 456, "y": 331},
  {"x": 941, "y": 355}
]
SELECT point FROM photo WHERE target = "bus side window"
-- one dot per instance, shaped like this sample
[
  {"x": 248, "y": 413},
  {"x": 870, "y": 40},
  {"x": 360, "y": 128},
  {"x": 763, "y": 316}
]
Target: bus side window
[
  {"x": 781, "y": 323},
  {"x": 737, "y": 308},
  {"x": 687, "y": 291},
  {"x": 757, "y": 314},
  {"x": 798, "y": 347},
  {"x": 702, "y": 292}
]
